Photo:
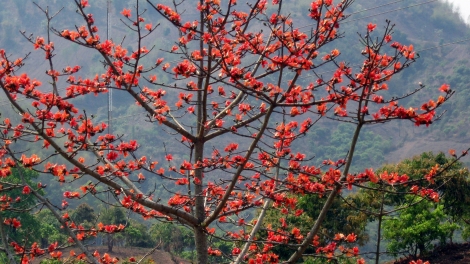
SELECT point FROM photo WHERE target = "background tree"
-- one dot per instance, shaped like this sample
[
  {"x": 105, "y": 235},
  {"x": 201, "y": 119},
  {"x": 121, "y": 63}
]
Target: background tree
[
  {"x": 113, "y": 216},
  {"x": 342, "y": 220},
  {"x": 138, "y": 235},
  {"x": 85, "y": 214},
  {"x": 172, "y": 238},
  {"x": 416, "y": 228},
  {"x": 383, "y": 202},
  {"x": 50, "y": 229},
  {"x": 22, "y": 217},
  {"x": 231, "y": 91}
]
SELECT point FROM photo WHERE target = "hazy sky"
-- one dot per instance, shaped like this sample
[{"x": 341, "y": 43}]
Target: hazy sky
[{"x": 464, "y": 6}]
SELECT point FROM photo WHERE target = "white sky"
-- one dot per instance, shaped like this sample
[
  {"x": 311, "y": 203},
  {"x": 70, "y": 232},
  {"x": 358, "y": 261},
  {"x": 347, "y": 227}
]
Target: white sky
[{"x": 464, "y": 6}]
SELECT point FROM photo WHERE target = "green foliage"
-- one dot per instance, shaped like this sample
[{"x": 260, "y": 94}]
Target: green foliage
[
  {"x": 113, "y": 216},
  {"x": 452, "y": 185},
  {"x": 84, "y": 214},
  {"x": 51, "y": 261},
  {"x": 441, "y": 19},
  {"x": 50, "y": 229},
  {"x": 137, "y": 235},
  {"x": 172, "y": 238},
  {"x": 370, "y": 149},
  {"x": 338, "y": 260},
  {"x": 341, "y": 218},
  {"x": 416, "y": 227},
  {"x": 28, "y": 232}
]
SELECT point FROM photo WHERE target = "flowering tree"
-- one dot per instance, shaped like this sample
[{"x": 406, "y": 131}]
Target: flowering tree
[{"x": 238, "y": 103}]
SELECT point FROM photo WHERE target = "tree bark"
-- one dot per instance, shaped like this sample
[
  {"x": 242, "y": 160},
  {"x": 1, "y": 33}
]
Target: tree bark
[
  {"x": 10, "y": 255},
  {"x": 379, "y": 229},
  {"x": 110, "y": 243},
  {"x": 200, "y": 238}
]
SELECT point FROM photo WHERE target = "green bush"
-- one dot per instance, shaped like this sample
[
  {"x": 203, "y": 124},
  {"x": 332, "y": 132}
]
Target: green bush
[{"x": 416, "y": 228}]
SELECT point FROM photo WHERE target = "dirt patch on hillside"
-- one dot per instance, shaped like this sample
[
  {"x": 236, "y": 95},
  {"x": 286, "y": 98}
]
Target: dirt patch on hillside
[
  {"x": 453, "y": 253},
  {"x": 409, "y": 141},
  {"x": 420, "y": 145}
]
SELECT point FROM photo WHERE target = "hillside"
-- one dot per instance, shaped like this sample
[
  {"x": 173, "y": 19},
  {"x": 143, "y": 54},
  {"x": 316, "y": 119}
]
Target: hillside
[{"x": 429, "y": 27}]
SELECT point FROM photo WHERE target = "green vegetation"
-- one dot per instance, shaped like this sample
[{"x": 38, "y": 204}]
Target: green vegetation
[
  {"x": 24, "y": 205},
  {"x": 412, "y": 224},
  {"x": 417, "y": 227},
  {"x": 332, "y": 144},
  {"x": 409, "y": 224},
  {"x": 172, "y": 238}
]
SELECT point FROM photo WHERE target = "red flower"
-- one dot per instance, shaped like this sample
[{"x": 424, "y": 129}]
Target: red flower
[
  {"x": 126, "y": 12},
  {"x": 371, "y": 27},
  {"x": 15, "y": 223},
  {"x": 182, "y": 181},
  {"x": 168, "y": 157},
  {"x": 445, "y": 88},
  {"x": 26, "y": 190},
  {"x": 231, "y": 147},
  {"x": 84, "y": 3},
  {"x": 112, "y": 155},
  {"x": 236, "y": 251},
  {"x": 452, "y": 152}
]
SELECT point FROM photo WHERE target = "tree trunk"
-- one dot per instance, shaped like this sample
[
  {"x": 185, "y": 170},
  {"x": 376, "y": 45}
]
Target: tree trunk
[
  {"x": 377, "y": 250},
  {"x": 44, "y": 242},
  {"x": 110, "y": 243},
  {"x": 422, "y": 249},
  {"x": 201, "y": 246},
  {"x": 9, "y": 253},
  {"x": 379, "y": 229},
  {"x": 327, "y": 205}
]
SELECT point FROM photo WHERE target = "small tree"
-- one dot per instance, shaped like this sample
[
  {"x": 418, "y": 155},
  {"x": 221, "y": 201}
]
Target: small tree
[
  {"x": 416, "y": 228},
  {"x": 113, "y": 216},
  {"x": 84, "y": 214},
  {"x": 50, "y": 229},
  {"x": 383, "y": 200},
  {"x": 138, "y": 235},
  {"x": 172, "y": 238},
  {"x": 233, "y": 93},
  {"x": 341, "y": 220}
]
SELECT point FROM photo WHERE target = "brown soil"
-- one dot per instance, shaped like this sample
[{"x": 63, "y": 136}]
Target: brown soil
[
  {"x": 453, "y": 253},
  {"x": 124, "y": 253}
]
